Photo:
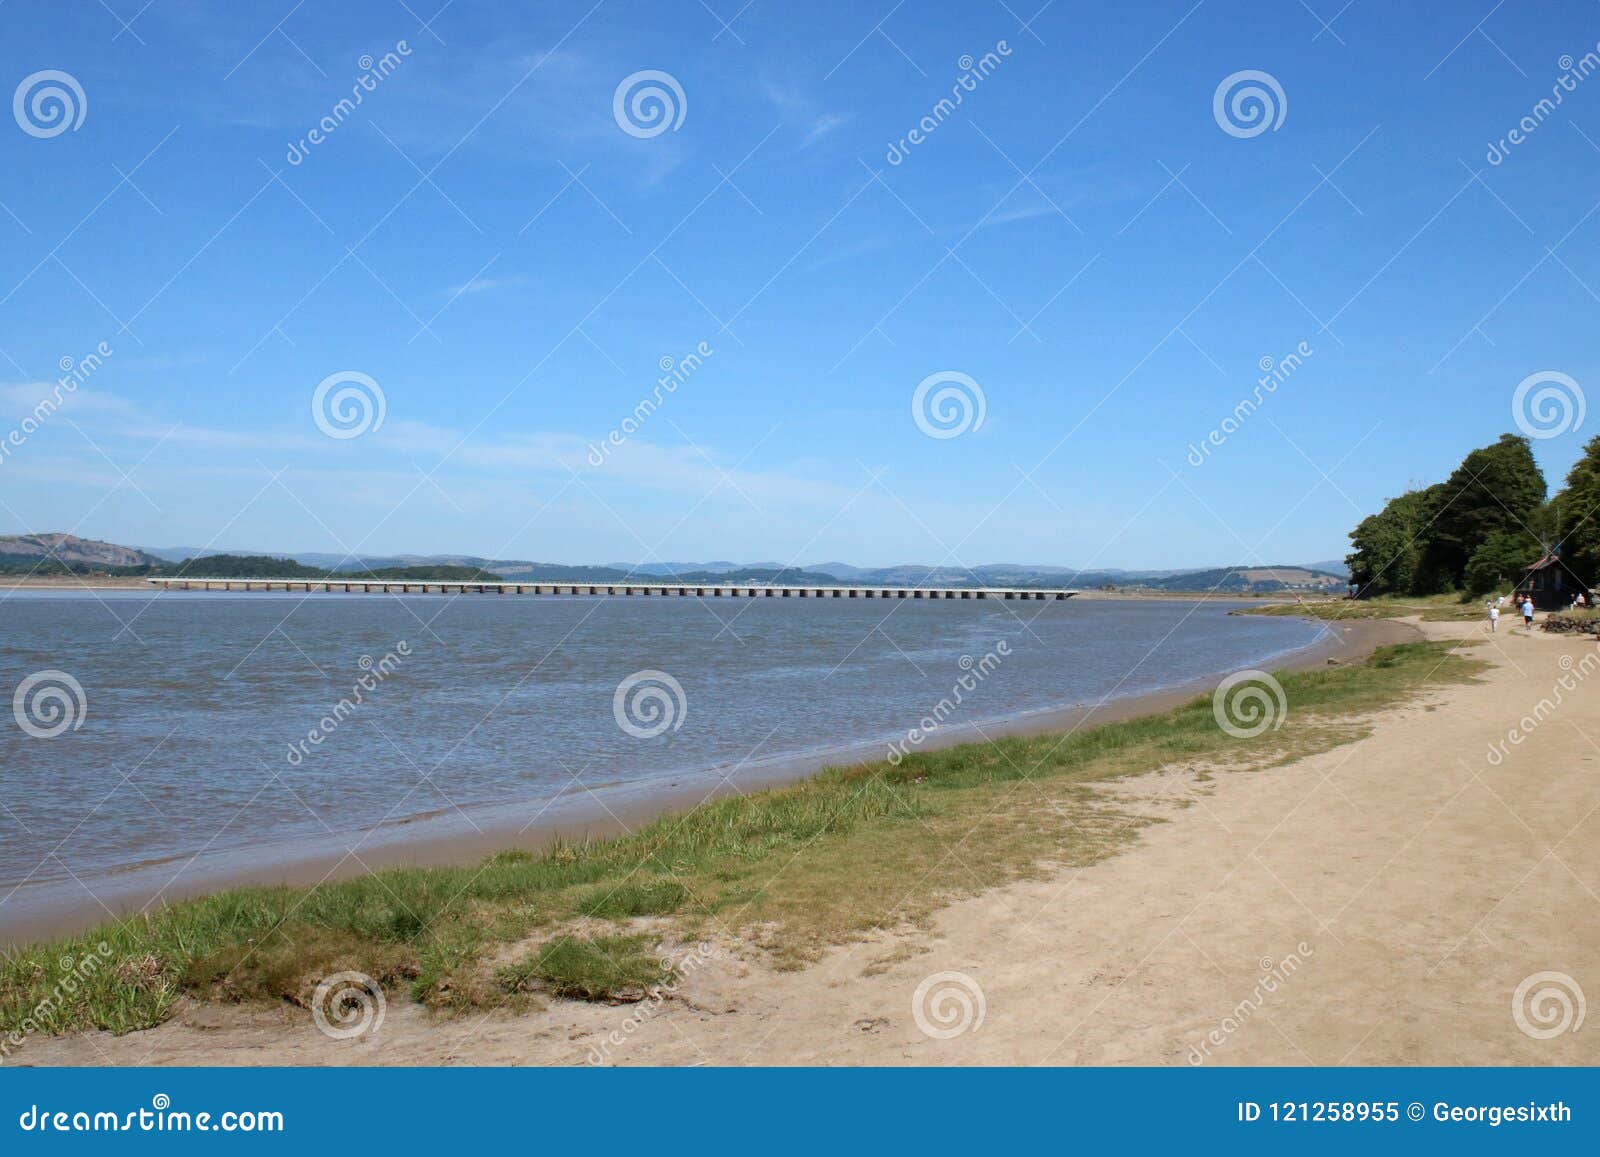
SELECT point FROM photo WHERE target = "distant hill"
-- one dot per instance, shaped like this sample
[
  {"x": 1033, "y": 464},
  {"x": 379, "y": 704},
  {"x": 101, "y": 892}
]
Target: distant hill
[
  {"x": 1251, "y": 579},
  {"x": 242, "y": 566},
  {"x": 70, "y": 552},
  {"x": 63, "y": 554},
  {"x": 1334, "y": 566},
  {"x": 327, "y": 560},
  {"x": 790, "y": 576},
  {"x": 60, "y": 554},
  {"x": 269, "y": 566}
]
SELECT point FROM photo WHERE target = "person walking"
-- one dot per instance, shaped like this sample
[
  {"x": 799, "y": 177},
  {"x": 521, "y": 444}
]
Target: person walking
[
  {"x": 1527, "y": 611},
  {"x": 1494, "y": 616}
]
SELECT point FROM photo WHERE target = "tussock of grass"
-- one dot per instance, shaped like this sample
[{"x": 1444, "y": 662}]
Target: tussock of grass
[
  {"x": 794, "y": 870},
  {"x": 652, "y": 898},
  {"x": 598, "y": 968}
]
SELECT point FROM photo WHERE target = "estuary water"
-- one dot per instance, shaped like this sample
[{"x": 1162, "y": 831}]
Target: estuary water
[{"x": 153, "y": 728}]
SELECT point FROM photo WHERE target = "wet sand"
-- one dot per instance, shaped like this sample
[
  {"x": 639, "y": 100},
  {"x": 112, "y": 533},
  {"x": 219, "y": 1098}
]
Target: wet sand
[{"x": 449, "y": 837}]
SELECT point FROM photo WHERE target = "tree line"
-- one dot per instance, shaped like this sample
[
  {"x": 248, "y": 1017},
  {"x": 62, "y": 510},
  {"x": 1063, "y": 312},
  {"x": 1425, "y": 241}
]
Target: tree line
[{"x": 1479, "y": 529}]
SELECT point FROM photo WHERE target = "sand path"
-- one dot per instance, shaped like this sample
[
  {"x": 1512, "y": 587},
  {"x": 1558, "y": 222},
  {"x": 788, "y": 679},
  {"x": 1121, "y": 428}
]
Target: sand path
[{"x": 1377, "y": 904}]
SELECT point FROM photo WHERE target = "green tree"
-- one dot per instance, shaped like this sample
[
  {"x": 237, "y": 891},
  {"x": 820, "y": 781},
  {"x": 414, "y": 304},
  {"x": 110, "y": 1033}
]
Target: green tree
[
  {"x": 1575, "y": 514},
  {"x": 1388, "y": 545},
  {"x": 1497, "y": 490},
  {"x": 1499, "y": 561}
]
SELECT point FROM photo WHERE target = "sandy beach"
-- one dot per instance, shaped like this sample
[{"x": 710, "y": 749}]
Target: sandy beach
[{"x": 1375, "y": 904}]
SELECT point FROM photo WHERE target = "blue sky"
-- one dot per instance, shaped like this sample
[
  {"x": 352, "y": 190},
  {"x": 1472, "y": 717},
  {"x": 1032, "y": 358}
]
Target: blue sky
[{"x": 1080, "y": 237}]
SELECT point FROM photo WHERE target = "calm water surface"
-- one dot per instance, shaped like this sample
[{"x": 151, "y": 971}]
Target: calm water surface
[{"x": 193, "y": 700}]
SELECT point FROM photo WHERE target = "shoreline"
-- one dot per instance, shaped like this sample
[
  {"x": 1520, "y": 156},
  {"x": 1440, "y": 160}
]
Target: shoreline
[
  {"x": 133, "y": 583},
  {"x": 446, "y": 837}
]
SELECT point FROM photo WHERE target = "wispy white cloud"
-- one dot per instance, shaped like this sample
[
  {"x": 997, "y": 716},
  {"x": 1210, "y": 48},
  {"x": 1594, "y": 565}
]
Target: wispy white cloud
[
  {"x": 803, "y": 111},
  {"x": 850, "y": 252},
  {"x": 1028, "y": 212},
  {"x": 823, "y": 125},
  {"x": 487, "y": 284}
]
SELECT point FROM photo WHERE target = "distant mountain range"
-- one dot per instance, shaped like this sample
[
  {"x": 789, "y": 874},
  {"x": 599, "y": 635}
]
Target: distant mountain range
[
  {"x": 1327, "y": 575},
  {"x": 58, "y": 553},
  {"x": 55, "y": 553}
]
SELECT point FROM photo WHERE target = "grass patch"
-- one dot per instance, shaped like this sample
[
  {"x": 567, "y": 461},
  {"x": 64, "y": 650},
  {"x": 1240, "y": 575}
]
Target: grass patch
[
  {"x": 792, "y": 871},
  {"x": 620, "y": 901},
  {"x": 598, "y": 968},
  {"x": 1433, "y": 609}
]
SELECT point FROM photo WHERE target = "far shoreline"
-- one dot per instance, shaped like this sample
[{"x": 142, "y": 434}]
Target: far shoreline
[
  {"x": 92, "y": 583},
  {"x": 444, "y": 837}
]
